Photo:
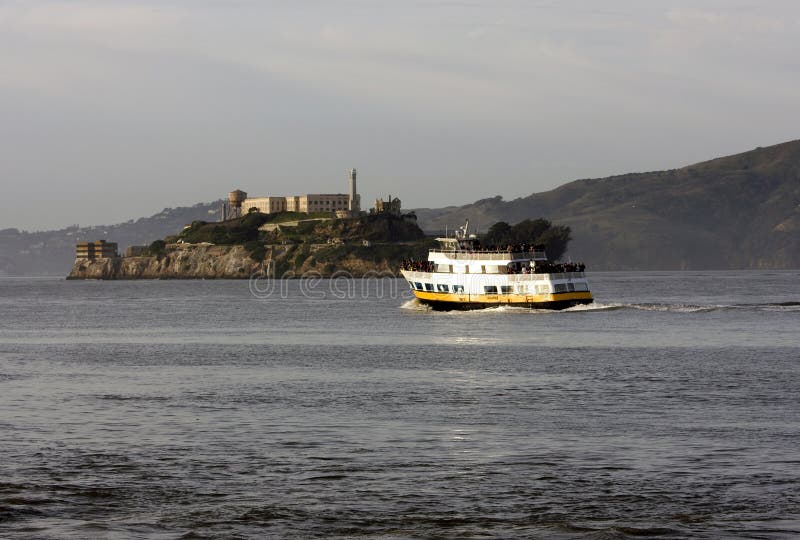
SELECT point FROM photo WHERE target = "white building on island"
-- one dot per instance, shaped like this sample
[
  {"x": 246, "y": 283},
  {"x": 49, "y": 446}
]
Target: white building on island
[{"x": 341, "y": 203}]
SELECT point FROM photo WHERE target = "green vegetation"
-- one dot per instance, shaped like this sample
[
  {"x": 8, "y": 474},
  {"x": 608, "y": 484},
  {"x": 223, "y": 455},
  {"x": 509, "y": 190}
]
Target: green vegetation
[
  {"x": 555, "y": 238},
  {"x": 256, "y": 250},
  {"x": 282, "y": 217},
  {"x": 233, "y": 232},
  {"x": 388, "y": 228},
  {"x": 156, "y": 249}
]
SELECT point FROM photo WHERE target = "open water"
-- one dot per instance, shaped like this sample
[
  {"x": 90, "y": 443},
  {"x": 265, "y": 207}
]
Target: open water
[{"x": 196, "y": 409}]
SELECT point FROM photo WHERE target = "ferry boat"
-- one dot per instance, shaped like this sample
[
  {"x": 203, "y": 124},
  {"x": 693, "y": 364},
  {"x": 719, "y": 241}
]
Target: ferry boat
[{"x": 461, "y": 274}]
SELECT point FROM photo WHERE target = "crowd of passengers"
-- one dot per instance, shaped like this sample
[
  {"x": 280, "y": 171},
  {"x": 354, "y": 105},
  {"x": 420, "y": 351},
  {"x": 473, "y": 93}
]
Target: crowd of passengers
[
  {"x": 547, "y": 267},
  {"x": 417, "y": 266},
  {"x": 512, "y": 248},
  {"x": 474, "y": 246},
  {"x": 539, "y": 267}
]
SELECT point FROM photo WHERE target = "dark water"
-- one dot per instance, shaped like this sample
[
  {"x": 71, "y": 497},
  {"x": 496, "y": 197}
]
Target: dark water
[{"x": 195, "y": 410}]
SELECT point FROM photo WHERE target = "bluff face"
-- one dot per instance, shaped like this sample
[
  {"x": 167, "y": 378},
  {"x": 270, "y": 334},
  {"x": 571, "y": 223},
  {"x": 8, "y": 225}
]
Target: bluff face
[
  {"x": 228, "y": 262},
  {"x": 242, "y": 247},
  {"x": 741, "y": 211},
  {"x": 190, "y": 262}
]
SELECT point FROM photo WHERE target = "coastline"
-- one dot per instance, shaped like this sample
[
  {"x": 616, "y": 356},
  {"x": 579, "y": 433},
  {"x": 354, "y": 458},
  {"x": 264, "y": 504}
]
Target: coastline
[{"x": 226, "y": 262}]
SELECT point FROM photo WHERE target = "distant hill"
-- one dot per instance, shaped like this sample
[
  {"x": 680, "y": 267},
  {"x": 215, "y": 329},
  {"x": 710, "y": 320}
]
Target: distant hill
[
  {"x": 740, "y": 211},
  {"x": 52, "y": 252}
]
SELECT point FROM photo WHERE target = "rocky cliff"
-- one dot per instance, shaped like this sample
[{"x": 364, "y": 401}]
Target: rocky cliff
[{"x": 235, "y": 262}]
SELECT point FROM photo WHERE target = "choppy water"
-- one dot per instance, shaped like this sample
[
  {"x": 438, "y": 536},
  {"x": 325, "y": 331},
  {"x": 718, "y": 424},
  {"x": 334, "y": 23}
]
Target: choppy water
[{"x": 670, "y": 409}]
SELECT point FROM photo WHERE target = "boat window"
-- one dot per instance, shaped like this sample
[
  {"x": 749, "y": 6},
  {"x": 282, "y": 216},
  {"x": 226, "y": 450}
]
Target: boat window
[
  {"x": 542, "y": 289},
  {"x": 418, "y": 285},
  {"x": 570, "y": 286},
  {"x": 560, "y": 287},
  {"x": 429, "y": 286},
  {"x": 442, "y": 288},
  {"x": 490, "y": 289},
  {"x": 506, "y": 289},
  {"x": 458, "y": 288}
]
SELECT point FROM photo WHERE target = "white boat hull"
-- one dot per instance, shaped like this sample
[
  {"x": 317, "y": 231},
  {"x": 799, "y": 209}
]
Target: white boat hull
[{"x": 448, "y": 291}]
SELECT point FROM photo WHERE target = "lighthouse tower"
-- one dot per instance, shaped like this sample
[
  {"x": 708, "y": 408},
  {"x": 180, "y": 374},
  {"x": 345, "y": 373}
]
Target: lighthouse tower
[{"x": 354, "y": 201}]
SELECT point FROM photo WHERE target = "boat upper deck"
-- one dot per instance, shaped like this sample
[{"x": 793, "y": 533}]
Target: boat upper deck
[
  {"x": 544, "y": 276},
  {"x": 486, "y": 255}
]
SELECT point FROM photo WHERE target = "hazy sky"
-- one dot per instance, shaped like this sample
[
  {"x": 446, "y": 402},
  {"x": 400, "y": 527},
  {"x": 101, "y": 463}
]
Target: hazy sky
[{"x": 111, "y": 110}]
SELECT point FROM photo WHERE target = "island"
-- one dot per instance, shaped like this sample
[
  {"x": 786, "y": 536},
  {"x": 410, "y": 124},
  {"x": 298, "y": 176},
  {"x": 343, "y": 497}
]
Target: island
[
  {"x": 293, "y": 244},
  {"x": 283, "y": 244}
]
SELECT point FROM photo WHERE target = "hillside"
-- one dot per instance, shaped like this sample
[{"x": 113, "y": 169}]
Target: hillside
[
  {"x": 740, "y": 211},
  {"x": 52, "y": 252}
]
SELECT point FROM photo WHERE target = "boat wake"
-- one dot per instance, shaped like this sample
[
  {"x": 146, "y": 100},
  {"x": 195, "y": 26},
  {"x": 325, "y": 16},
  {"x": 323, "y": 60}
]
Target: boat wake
[
  {"x": 688, "y": 308},
  {"x": 415, "y": 305},
  {"x": 598, "y": 307}
]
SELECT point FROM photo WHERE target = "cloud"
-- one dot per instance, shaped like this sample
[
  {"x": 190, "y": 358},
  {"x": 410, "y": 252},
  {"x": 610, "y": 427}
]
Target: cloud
[
  {"x": 524, "y": 93},
  {"x": 727, "y": 22},
  {"x": 82, "y": 17}
]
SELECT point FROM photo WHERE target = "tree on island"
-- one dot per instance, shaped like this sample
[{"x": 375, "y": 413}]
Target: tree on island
[
  {"x": 157, "y": 248},
  {"x": 554, "y": 238}
]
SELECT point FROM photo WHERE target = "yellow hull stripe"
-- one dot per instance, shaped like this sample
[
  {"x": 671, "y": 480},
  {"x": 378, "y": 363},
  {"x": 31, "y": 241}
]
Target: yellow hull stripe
[{"x": 502, "y": 298}]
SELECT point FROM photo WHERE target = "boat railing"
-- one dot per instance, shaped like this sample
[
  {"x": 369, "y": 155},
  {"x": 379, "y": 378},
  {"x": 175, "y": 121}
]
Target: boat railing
[
  {"x": 488, "y": 255},
  {"x": 559, "y": 275},
  {"x": 521, "y": 277}
]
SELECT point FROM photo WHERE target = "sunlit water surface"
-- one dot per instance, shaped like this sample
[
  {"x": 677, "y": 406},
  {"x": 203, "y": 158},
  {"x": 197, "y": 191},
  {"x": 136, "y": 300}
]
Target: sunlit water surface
[{"x": 194, "y": 409}]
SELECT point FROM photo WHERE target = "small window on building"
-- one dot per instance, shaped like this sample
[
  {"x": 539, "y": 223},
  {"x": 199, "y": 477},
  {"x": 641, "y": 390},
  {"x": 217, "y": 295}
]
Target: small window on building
[
  {"x": 442, "y": 288},
  {"x": 458, "y": 288},
  {"x": 429, "y": 286},
  {"x": 506, "y": 289},
  {"x": 490, "y": 289}
]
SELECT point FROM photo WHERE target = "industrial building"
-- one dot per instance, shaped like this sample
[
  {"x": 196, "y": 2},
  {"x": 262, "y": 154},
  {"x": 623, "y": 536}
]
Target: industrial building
[
  {"x": 390, "y": 206},
  {"x": 342, "y": 204},
  {"x": 96, "y": 250}
]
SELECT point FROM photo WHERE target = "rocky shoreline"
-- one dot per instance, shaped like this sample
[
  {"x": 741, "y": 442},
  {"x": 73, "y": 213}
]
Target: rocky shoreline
[{"x": 225, "y": 262}]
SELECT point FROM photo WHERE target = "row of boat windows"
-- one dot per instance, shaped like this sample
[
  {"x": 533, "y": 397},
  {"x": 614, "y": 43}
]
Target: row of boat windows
[
  {"x": 439, "y": 288},
  {"x": 479, "y": 268},
  {"x": 502, "y": 289}
]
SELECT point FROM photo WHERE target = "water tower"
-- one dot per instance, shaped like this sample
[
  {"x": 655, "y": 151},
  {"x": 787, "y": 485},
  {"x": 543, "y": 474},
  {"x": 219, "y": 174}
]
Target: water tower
[{"x": 235, "y": 200}]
